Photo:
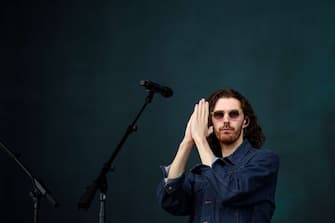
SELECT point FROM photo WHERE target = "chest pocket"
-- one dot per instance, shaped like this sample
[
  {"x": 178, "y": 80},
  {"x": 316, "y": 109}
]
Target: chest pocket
[{"x": 200, "y": 185}]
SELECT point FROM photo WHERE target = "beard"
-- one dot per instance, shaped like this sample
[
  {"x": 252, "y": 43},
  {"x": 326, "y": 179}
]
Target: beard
[{"x": 228, "y": 137}]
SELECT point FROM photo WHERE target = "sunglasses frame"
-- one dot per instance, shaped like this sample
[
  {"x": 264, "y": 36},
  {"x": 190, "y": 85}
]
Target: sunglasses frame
[{"x": 223, "y": 113}]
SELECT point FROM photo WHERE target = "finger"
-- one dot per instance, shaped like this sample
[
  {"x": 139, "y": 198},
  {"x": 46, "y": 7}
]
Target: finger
[
  {"x": 204, "y": 110},
  {"x": 195, "y": 113},
  {"x": 189, "y": 121},
  {"x": 210, "y": 130},
  {"x": 201, "y": 108}
]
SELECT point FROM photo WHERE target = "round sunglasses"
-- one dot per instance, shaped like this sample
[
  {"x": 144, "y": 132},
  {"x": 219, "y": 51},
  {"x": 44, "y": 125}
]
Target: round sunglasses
[{"x": 232, "y": 115}]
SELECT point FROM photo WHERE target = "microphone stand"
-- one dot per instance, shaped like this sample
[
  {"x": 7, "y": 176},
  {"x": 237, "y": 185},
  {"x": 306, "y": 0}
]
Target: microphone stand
[
  {"x": 100, "y": 183},
  {"x": 39, "y": 190}
]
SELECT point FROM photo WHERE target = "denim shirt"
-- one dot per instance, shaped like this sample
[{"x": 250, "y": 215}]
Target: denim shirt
[{"x": 239, "y": 188}]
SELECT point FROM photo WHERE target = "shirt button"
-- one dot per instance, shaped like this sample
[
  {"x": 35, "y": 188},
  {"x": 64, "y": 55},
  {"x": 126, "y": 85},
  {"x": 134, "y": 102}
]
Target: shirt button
[
  {"x": 205, "y": 222},
  {"x": 208, "y": 202},
  {"x": 170, "y": 188}
]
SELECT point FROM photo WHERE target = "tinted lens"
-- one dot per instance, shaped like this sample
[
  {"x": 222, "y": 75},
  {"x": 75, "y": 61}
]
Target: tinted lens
[
  {"x": 234, "y": 114},
  {"x": 218, "y": 114}
]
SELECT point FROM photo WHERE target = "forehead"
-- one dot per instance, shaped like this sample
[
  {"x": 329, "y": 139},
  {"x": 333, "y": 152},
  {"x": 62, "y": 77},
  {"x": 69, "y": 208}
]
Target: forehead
[{"x": 227, "y": 104}]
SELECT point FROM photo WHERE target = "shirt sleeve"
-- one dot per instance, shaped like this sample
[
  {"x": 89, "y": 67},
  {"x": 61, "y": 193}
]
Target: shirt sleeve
[
  {"x": 170, "y": 180},
  {"x": 248, "y": 184},
  {"x": 173, "y": 194},
  {"x": 214, "y": 160}
]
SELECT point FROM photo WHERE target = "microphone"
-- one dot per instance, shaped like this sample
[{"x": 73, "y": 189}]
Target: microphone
[{"x": 151, "y": 86}]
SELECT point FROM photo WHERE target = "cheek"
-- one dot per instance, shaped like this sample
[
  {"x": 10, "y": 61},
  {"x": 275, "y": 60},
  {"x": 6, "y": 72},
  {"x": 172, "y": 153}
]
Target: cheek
[
  {"x": 238, "y": 125},
  {"x": 216, "y": 125}
]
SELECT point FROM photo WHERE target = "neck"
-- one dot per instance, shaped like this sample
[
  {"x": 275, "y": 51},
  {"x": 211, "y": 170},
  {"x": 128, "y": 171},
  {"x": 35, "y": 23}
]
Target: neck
[{"x": 228, "y": 149}]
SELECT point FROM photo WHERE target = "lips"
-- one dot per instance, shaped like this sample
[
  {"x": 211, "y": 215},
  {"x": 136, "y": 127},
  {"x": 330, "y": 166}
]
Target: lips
[{"x": 226, "y": 130}]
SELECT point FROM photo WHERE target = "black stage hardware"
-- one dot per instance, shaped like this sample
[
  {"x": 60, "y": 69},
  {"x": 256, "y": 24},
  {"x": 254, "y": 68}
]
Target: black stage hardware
[
  {"x": 100, "y": 183},
  {"x": 39, "y": 190}
]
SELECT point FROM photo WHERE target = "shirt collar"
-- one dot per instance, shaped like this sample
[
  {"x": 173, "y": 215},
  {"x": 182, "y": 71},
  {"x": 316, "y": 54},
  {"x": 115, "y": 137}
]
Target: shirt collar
[
  {"x": 232, "y": 159},
  {"x": 240, "y": 152}
]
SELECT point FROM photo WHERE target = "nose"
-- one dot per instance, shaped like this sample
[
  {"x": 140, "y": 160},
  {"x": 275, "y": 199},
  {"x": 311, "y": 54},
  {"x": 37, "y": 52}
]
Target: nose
[
  {"x": 226, "y": 124},
  {"x": 225, "y": 118}
]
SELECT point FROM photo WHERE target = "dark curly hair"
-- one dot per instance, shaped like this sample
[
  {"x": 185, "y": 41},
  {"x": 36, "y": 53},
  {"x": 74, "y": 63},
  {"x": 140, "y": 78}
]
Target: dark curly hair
[{"x": 253, "y": 132}]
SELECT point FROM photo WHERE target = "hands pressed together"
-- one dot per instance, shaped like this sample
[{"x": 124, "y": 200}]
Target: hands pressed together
[
  {"x": 196, "y": 133},
  {"x": 197, "y": 126}
]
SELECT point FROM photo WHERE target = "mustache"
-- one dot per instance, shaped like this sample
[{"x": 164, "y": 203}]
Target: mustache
[{"x": 225, "y": 128}]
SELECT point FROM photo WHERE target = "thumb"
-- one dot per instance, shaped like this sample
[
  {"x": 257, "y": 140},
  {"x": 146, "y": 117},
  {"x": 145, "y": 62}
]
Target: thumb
[{"x": 210, "y": 130}]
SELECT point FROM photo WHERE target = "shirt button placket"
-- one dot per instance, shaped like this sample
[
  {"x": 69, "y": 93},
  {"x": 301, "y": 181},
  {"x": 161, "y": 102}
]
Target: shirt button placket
[{"x": 207, "y": 202}]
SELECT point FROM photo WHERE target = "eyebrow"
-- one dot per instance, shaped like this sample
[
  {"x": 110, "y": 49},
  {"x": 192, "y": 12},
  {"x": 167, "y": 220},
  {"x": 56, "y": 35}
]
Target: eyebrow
[{"x": 228, "y": 110}]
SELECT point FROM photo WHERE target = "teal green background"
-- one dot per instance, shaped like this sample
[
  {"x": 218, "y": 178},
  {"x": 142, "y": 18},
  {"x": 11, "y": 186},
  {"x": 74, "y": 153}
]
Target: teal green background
[{"x": 69, "y": 87}]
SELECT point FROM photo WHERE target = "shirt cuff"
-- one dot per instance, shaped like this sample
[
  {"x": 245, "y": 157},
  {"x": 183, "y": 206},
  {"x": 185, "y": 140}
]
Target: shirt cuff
[
  {"x": 214, "y": 160},
  {"x": 166, "y": 170}
]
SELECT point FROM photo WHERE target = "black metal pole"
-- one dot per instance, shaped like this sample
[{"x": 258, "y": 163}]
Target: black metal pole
[
  {"x": 38, "y": 191},
  {"x": 36, "y": 203},
  {"x": 102, "y": 201},
  {"x": 100, "y": 183}
]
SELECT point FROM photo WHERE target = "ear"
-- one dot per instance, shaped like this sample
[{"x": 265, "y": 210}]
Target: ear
[{"x": 246, "y": 122}]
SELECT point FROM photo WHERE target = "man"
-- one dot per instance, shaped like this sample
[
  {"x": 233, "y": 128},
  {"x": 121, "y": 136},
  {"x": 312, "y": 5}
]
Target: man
[{"x": 236, "y": 180}]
